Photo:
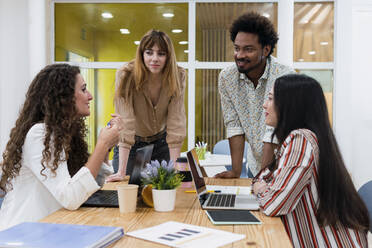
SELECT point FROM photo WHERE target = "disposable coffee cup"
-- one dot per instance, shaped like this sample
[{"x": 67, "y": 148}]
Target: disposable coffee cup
[{"x": 127, "y": 196}]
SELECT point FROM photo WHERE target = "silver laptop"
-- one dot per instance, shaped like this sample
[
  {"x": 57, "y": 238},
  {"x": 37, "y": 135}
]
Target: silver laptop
[{"x": 217, "y": 200}]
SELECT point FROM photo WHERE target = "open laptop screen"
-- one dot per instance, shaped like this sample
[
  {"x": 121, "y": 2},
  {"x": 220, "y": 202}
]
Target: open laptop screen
[
  {"x": 196, "y": 171},
  {"x": 143, "y": 156}
]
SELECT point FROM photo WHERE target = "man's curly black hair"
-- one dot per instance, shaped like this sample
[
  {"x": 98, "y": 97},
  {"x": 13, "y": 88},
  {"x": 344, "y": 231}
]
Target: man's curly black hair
[{"x": 255, "y": 23}]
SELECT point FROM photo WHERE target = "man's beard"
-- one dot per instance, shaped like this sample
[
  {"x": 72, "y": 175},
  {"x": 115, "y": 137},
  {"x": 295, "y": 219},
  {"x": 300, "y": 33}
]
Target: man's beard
[{"x": 249, "y": 69}]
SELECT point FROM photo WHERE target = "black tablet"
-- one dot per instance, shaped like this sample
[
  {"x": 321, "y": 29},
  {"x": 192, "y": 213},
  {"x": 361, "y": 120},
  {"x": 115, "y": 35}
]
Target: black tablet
[{"x": 229, "y": 217}]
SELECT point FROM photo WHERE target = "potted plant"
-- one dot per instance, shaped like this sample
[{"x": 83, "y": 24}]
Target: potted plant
[{"x": 164, "y": 179}]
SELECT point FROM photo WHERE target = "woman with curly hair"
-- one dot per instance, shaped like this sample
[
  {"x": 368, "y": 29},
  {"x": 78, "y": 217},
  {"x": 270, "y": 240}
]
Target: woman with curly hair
[
  {"x": 150, "y": 97},
  {"x": 46, "y": 165},
  {"x": 307, "y": 183}
]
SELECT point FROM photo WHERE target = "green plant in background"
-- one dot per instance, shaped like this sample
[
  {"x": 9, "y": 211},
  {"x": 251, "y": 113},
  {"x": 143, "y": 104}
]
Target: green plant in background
[{"x": 161, "y": 175}]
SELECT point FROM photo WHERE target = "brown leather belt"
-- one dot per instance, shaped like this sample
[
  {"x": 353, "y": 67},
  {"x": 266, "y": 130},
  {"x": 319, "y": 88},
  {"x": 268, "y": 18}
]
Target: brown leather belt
[{"x": 149, "y": 139}]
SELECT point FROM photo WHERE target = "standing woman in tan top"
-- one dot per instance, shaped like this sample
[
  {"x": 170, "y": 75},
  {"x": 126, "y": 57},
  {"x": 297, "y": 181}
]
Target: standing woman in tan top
[{"x": 150, "y": 98}]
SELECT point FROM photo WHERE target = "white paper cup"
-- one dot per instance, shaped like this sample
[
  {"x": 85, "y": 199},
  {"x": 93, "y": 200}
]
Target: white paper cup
[{"x": 127, "y": 195}]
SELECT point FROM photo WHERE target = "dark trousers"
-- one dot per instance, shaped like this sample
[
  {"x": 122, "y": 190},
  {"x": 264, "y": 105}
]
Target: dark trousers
[{"x": 160, "y": 152}]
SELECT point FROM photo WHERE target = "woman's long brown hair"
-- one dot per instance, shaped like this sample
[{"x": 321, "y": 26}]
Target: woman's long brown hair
[
  {"x": 135, "y": 74},
  {"x": 49, "y": 100}
]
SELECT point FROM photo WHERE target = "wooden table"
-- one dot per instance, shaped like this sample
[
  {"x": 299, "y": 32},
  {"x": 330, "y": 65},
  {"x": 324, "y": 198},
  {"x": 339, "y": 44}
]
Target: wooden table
[{"x": 270, "y": 234}]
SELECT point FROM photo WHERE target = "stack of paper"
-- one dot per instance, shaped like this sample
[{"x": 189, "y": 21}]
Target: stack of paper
[{"x": 176, "y": 234}]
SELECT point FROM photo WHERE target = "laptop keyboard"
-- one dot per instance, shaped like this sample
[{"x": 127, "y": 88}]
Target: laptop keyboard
[
  {"x": 221, "y": 200},
  {"x": 103, "y": 198}
]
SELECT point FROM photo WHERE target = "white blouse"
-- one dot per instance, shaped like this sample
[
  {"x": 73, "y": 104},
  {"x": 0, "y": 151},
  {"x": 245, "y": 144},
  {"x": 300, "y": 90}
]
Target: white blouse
[{"x": 35, "y": 196}]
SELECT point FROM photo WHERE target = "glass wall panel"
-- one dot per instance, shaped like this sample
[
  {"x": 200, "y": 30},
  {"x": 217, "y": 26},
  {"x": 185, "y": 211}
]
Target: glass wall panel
[
  {"x": 213, "y": 21},
  {"x": 209, "y": 126},
  {"x": 325, "y": 78},
  {"x": 107, "y": 32},
  {"x": 313, "y": 32}
]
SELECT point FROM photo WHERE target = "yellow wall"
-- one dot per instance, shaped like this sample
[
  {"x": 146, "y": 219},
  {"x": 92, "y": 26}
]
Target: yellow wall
[
  {"x": 105, "y": 96},
  {"x": 113, "y": 46},
  {"x": 69, "y": 35}
]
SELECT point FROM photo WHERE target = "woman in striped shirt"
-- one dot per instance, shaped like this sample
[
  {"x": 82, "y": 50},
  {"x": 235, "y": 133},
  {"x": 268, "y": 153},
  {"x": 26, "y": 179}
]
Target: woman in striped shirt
[{"x": 307, "y": 183}]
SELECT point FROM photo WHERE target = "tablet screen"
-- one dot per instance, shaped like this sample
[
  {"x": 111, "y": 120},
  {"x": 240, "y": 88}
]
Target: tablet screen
[{"x": 226, "y": 217}]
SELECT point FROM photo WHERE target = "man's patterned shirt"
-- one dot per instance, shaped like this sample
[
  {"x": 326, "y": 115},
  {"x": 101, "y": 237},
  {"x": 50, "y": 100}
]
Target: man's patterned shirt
[{"x": 242, "y": 106}]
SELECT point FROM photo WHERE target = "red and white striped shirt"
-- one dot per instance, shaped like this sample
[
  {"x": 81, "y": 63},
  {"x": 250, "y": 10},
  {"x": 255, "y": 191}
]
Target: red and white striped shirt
[{"x": 292, "y": 194}]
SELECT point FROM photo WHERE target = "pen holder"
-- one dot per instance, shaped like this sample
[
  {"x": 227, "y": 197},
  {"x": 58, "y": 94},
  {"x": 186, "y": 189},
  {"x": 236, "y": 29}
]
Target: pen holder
[
  {"x": 200, "y": 151},
  {"x": 164, "y": 200}
]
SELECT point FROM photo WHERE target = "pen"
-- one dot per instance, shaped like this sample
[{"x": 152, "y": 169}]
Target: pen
[{"x": 209, "y": 191}]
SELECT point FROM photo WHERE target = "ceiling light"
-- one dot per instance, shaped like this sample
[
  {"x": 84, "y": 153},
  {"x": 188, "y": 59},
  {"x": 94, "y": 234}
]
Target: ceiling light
[
  {"x": 312, "y": 52},
  {"x": 137, "y": 42},
  {"x": 107, "y": 15},
  {"x": 124, "y": 31},
  {"x": 324, "y": 43},
  {"x": 267, "y": 15},
  {"x": 183, "y": 42},
  {"x": 301, "y": 60},
  {"x": 168, "y": 15},
  {"x": 186, "y": 51},
  {"x": 176, "y": 31}
]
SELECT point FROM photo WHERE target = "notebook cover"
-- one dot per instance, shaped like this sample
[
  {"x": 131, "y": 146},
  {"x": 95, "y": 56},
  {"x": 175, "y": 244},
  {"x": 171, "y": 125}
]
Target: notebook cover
[
  {"x": 46, "y": 235},
  {"x": 228, "y": 217}
]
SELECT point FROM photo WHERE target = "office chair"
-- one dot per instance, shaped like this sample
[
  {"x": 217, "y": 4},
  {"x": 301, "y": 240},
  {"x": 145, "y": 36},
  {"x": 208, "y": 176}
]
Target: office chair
[
  {"x": 222, "y": 147},
  {"x": 365, "y": 192}
]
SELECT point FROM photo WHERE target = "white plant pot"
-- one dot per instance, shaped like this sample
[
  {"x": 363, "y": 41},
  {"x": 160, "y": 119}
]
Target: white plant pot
[{"x": 164, "y": 200}]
